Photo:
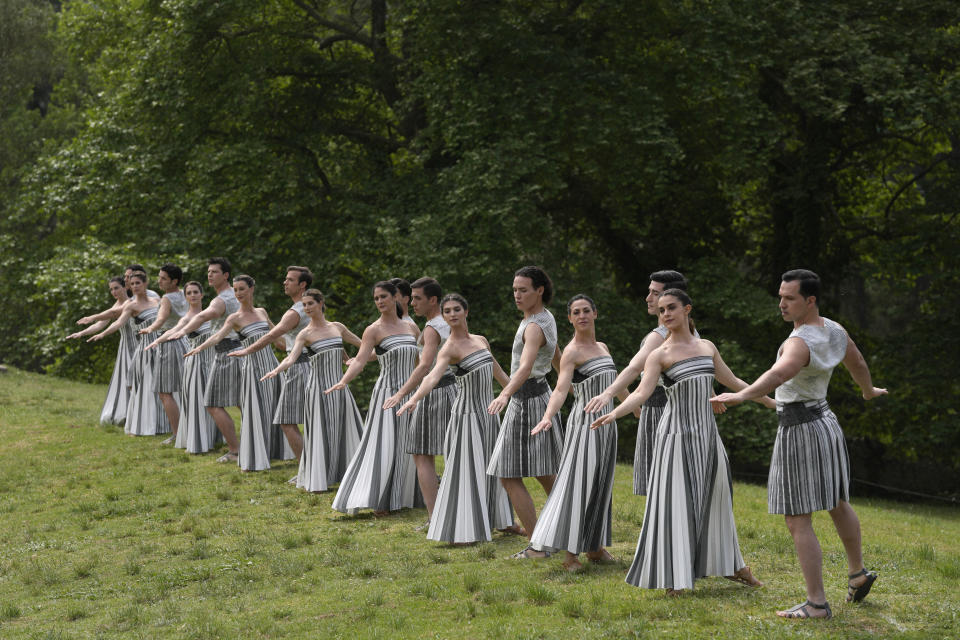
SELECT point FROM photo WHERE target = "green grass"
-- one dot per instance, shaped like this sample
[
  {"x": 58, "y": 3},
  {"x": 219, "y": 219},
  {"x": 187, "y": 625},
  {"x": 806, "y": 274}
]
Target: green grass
[{"x": 106, "y": 536}]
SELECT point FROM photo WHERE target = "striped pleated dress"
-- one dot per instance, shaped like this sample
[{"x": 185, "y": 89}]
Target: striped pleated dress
[
  {"x": 576, "y": 516},
  {"x": 145, "y": 414},
  {"x": 168, "y": 361},
  {"x": 223, "y": 379},
  {"x": 517, "y": 453},
  {"x": 290, "y": 405},
  {"x": 688, "y": 527},
  {"x": 198, "y": 432},
  {"x": 810, "y": 466},
  {"x": 470, "y": 503},
  {"x": 260, "y": 439},
  {"x": 647, "y": 429},
  {"x": 118, "y": 393},
  {"x": 428, "y": 424},
  {"x": 332, "y": 424},
  {"x": 381, "y": 476}
]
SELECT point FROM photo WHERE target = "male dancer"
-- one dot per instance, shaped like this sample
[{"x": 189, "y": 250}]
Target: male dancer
[
  {"x": 223, "y": 384},
  {"x": 428, "y": 425},
  {"x": 810, "y": 468},
  {"x": 653, "y": 408},
  {"x": 290, "y": 405},
  {"x": 169, "y": 367}
]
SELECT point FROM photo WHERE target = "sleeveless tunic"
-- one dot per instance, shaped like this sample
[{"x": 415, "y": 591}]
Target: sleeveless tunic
[
  {"x": 518, "y": 454},
  {"x": 381, "y": 475},
  {"x": 428, "y": 424},
  {"x": 688, "y": 527},
  {"x": 332, "y": 424},
  {"x": 810, "y": 466},
  {"x": 223, "y": 383},
  {"x": 577, "y": 515},
  {"x": 470, "y": 503},
  {"x": 290, "y": 404},
  {"x": 169, "y": 358}
]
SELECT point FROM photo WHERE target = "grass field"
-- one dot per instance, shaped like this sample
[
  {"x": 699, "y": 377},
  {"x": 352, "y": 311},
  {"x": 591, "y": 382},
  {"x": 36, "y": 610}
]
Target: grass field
[{"x": 107, "y": 536}]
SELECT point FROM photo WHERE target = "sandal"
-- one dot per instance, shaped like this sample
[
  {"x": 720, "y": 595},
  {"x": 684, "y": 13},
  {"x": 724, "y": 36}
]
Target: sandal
[
  {"x": 800, "y": 612},
  {"x": 856, "y": 593},
  {"x": 745, "y": 576},
  {"x": 573, "y": 565},
  {"x": 603, "y": 558},
  {"x": 227, "y": 457},
  {"x": 525, "y": 554}
]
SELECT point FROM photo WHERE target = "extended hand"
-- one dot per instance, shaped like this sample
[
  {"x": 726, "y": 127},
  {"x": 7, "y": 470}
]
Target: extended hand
[
  {"x": 337, "y": 387},
  {"x": 498, "y": 404},
  {"x": 270, "y": 374},
  {"x": 597, "y": 403},
  {"x": 239, "y": 353},
  {"x": 543, "y": 425},
  {"x": 728, "y": 399},
  {"x": 410, "y": 405},
  {"x": 874, "y": 392},
  {"x": 603, "y": 420},
  {"x": 393, "y": 401}
]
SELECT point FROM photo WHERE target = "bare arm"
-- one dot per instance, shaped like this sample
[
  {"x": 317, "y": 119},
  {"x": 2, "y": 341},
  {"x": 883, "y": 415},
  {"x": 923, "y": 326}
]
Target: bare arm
[
  {"x": 429, "y": 382},
  {"x": 725, "y": 376},
  {"x": 213, "y": 311},
  {"x": 557, "y": 355},
  {"x": 94, "y": 328},
  {"x": 431, "y": 344},
  {"x": 533, "y": 339},
  {"x": 857, "y": 366},
  {"x": 795, "y": 356},
  {"x": 215, "y": 338},
  {"x": 287, "y": 323},
  {"x": 630, "y": 373},
  {"x": 162, "y": 314},
  {"x": 292, "y": 356},
  {"x": 125, "y": 314},
  {"x": 367, "y": 344},
  {"x": 559, "y": 392},
  {"x": 652, "y": 369},
  {"x": 107, "y": 314},
  {"x": 498, "y": 373}
]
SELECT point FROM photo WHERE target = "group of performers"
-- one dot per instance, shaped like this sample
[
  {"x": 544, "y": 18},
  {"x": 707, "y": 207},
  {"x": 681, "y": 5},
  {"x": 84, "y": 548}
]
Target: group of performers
[{"x": 180, "y": 365}]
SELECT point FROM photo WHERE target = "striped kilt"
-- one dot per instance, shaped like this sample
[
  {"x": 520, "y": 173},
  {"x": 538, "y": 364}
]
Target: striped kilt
[
  {"x": 223, "y": 383},
  {"x": 517, "y": 453},
  {"x": 810, "y": 467},
  {"x": 428, "y": 425},
  {"x": 168, "y": 366},
  {"x": 290, "y": 405}
]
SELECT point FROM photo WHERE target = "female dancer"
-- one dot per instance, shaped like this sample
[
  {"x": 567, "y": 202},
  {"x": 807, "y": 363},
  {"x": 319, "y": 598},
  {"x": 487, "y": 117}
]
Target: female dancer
[
  {"x": 260, "y": 439},
  {"x": 576, "y": 516},
  {"x": 688, "y": 527},
  {"x": 469, "y": 503},
  {"x": 517, "y": 454},
  {"x": 145, "y": 414},
  {"x": 332, "y": 424},
  {"x": 198, "y": 432},
  {"x": 118, "y": 393},
  {"x": 381, "y": 476}
]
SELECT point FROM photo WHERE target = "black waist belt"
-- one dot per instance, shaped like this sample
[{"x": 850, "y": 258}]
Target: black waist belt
[
  {"x": 227, "y": 345},
  {"x": 304, "y": 357},
  {"x": 532, "y": 388},
  {"x": 657, "y": 399},
  {"x": 139, "y": 321},
  {"x": 790, "y": 414},
  {"x": 195, "y": 334},
  {"x": 447, "y": 380}
]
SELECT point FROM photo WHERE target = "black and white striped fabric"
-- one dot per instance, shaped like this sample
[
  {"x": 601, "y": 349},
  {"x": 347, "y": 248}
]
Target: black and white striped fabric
[
  {"x": 145, "y": 414},
  {"x": 114, "y": 409},
  {"x": 169, "y": 365},
  {"x": 470, "y": 503},
  {"x": 647, "y": 428},
  {"x": 223, "y": 380},
  {"x": 688, "y": 526},
  {"x": 332, "y": 424},
  {"x": 290, "y": 403},
  {"x": 198, "y": 432},
  {"x": 576, "y": 516},
  {"x": 517, "y": 454},
  {"x": 381, "y": 476},
  {"x": 260, "y": 438},
  {"x": 810, "y": 467},
  {"x": 428, "y": 424}
]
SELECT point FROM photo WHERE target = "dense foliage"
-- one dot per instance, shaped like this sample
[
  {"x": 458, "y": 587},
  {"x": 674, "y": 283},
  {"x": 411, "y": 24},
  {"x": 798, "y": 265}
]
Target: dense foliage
[{"x": 603, "y": 140}]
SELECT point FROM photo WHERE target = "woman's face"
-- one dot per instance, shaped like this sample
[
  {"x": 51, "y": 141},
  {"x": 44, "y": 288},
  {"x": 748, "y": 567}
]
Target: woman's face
[
  {"x": 242, "y": 291},
  {"x": 673, "y": 313},
  {"x": 193, "y": 294},
  {"x": 312, "y": 308},
  {"x": 117, "y": 291},
  {"x": 384, "y": 300},
  {"x": 454, "y": 313},
  {"x": 137, "y": 286},
  {"x": 582, "y": 315}
]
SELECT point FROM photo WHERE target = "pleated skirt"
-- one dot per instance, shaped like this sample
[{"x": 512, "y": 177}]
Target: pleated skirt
[
  {"x": 145, "y": 414},
  {"x": 518, "y": 454},
  {"x": 290, "y": 404},
  {"x": 810, "y": 466},
  {"x": 168, "y": 365},
  {"x": 223, "y": 381},
  {"x": 114, "y": 409},
  {"x": 260, "y": 438},
  {"x": 646, "y": 437},
  {"x": 198, "y": 432},
  {"x": 428, "y": 424}
]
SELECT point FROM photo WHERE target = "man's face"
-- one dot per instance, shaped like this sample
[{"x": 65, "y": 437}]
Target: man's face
[
  {"x": 421, "y": 304},
  {"x": 164, "y": 281},
  {"x": 215, "y": 275},
  {"x": 793, "y": 306},
  {"x": 524, "y": 294},
  {"x": 291, "y": 283},
  {"x": 653, "y": 295}
]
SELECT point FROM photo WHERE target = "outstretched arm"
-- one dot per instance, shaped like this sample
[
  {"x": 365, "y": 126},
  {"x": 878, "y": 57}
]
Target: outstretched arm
[
  {"x": 287, "y": 323},
  {"x": 652, "y": 369},
  {"x": 533, "y": 339},
  {"x": 107, "y": 314},
  {"x": 125, "y": 313},
  {"x": 215, "y": 338},
  {"x": 431, "y": 344},
  {"x": 214, "y": 310},
  {"x": 162, "y": 314},
  {"x": 725, "y": 377},
  {"x": 857, "y": 366},
  {"x": 429, "y": 382},
  {"x": 367, "y": 344},
  {"x": 94, "y": 328},
  {"x": 292, "y": 356},
  {"x": 559, "y": 392},
  {"x": 630, "y": 373},
  {"x": 795, "y": 356}
]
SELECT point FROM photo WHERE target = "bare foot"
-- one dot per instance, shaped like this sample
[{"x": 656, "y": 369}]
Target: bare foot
[
  {"x": 600, "y": 557},
  {"x": 514, "y": 529},
  {"x": 745, "y": 576},
  {"x": 571, "y": 563}
]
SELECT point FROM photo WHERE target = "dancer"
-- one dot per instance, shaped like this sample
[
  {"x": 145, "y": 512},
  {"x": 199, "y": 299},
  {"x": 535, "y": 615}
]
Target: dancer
[
  {"x": 518, "y": 454},
  {"x": 118, "y": 394},
  {"x": 688, "y": 527},
  {"x": 168, "y": 359},
  {"x": 403, "y": 295},
  {"x": 428, "y": 424},
  {"x": 223, "y": 383},
  {"x": 576, "y": 516},
  {"x": 113, "y": 312},
  {"x": 290, "y": 404},
  {"x": 381, "y": 475},
  {"x": 198, "y": 432},
  {"x": 470, "y": 503},
  {"x": 145, "y": 413},
  {"x": 653, "y": 408},
  {"x": 810, "y": 467},
  {"x": 332, "y": 424}
]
